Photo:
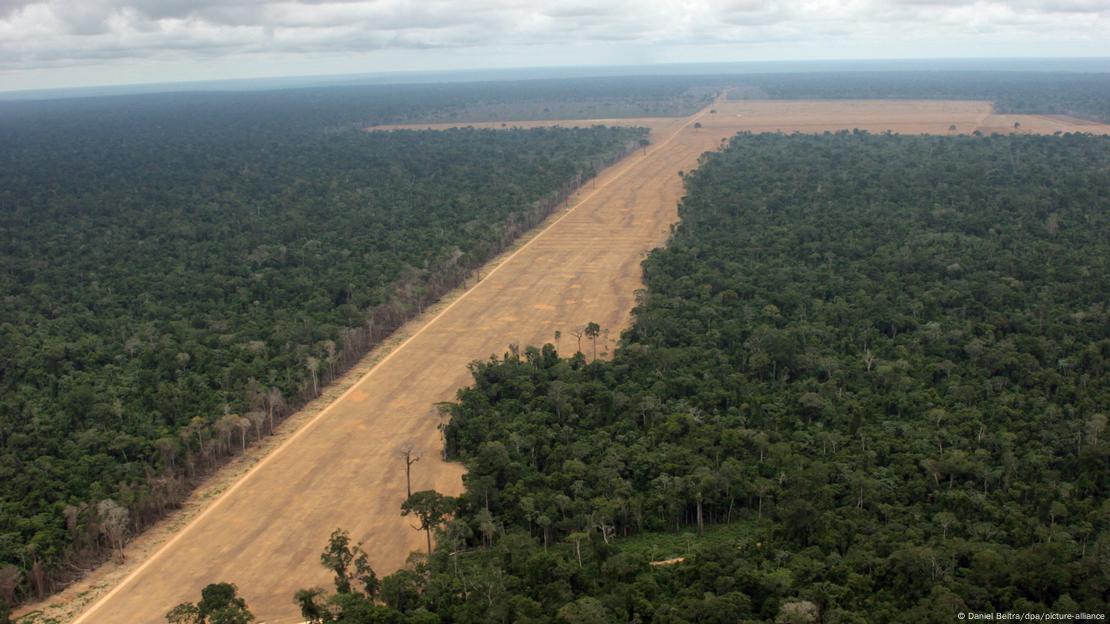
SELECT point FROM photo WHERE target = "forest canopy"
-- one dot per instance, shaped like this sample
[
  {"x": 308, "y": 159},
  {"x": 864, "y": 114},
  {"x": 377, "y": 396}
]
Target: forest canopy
[
  {"x": 176, "y": 279},
  {"x": 867, "y": 382}
]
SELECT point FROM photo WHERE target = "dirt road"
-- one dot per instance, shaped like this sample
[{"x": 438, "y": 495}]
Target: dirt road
[{"x": 341, "y": 469}]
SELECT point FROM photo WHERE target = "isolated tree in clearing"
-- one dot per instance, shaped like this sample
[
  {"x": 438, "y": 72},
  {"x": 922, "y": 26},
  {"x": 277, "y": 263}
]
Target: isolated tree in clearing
[
  {"x": 407, "y": 453},
  {"x": 431, "y": 507},
  {"x": 577, "y": 336},
  {"x": 592, "y": 331}
]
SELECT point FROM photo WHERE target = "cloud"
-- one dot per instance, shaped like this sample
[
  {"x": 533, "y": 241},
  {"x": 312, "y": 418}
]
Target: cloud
[
  {"x": 1064, "y": 6},
  {"x": 52, "y": 33}
]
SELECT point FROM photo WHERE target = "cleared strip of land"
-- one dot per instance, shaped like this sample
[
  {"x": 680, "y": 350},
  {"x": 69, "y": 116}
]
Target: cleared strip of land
[
  {"x": 900, "y": 116},
  {"x": 642, "y": 122},
  {"x": 341, "y": 468}
]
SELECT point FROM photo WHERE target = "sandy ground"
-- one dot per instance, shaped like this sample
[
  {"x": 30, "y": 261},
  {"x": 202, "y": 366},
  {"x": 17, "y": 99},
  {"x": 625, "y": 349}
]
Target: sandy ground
[
  {"x": 647, "y": 122},
  {"x": 900, "y": 116},
  {"x": 1040, "y": 124},
  {"x": 262, "y": 522}
]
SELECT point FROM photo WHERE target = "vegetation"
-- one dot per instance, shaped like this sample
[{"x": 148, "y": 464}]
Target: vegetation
[
  {"x": 879, "y": 363},
  {"x": 1084, "y": 95},
  {"x": 311, "y": 111},
  {"x": 176, "y": 279},
  {"x": 578, "y": 98},
  {"x": 219, "y": 604}
]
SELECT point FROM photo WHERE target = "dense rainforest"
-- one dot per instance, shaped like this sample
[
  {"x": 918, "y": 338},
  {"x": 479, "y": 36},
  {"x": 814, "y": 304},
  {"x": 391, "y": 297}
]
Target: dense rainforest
[
  {"x": 175, "y": 279},
  {"x": 876, "y": 364},
  {"x": 309, "y": 111}
]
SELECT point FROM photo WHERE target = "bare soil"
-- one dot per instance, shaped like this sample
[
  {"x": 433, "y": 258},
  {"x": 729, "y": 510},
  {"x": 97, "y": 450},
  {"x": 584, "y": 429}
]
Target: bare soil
[
  {"x": 899, "y": 116},
  {"x": 1040, "y": 124},
  {"x": 649, "y": 122},
  {"x": 262, "y": 521}
]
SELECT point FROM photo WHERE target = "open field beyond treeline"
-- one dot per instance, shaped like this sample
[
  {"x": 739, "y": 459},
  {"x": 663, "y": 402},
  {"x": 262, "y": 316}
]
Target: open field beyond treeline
[
  {"x": 341, "y": 468},
  {"x": 901, "y": 116}
]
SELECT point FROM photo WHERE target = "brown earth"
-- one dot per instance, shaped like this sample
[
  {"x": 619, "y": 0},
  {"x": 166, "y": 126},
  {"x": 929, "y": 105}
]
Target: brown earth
[
  {"x": 1040, "y": 124},
  {"x": 900, "y": 116},
  {"x": 265, "y": 529},
  {"x": 644, "y": 122}
]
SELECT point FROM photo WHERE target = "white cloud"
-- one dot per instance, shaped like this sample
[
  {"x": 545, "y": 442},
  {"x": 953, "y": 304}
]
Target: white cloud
[{"x": 40, "y": 34}]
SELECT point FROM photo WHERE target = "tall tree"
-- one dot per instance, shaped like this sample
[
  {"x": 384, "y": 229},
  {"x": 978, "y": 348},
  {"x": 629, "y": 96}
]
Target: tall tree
[{"x": 431, "y": 508}]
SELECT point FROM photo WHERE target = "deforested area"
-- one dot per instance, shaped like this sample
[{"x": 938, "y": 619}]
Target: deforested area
[
  {"x": 559, "y": 312},
  {"x": 1079, "y": 94},
  {"x": 866, "y": 382},
  {"x": 178, "y": 276}
]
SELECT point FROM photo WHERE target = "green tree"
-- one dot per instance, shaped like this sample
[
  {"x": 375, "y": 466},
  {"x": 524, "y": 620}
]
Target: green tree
[
  {"x": 583, "y": 611},
  {"x": 348, "y": 563},
  {"x": 592, "y": 330},
  {"x": 431, "y": 508},
  {"x": 219, "y": 604},
  {"x": 312, "y": 606}
]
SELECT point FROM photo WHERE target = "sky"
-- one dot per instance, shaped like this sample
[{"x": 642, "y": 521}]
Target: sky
[{"x": 72, "y": 43}]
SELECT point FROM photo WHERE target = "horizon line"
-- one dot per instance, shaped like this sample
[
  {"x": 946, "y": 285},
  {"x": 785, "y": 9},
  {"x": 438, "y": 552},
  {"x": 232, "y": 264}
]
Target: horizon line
[{"x": 490, "y": 74}]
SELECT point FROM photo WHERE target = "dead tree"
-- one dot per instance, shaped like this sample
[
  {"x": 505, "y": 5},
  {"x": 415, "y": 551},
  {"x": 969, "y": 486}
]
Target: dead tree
[
  {"x": 114, "y": 521},
  {"x": 578, "y": 336},
  {"x": 407, "y": 453}
]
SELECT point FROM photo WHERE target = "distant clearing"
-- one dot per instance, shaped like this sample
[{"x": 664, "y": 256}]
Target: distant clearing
[
  {"x": 644, "y": 122},
  {"x": 899, "y": 116}
]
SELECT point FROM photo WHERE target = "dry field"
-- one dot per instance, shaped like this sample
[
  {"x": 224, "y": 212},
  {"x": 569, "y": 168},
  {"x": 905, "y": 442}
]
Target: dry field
[
  {"x": 900, "y": 116},
  {"x": 1040, "y": 124},
  {"x": 643, "y": 122},
  {"x": 341, "y": 469}
]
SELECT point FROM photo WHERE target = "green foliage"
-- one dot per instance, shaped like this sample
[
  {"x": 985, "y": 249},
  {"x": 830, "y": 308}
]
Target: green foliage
[
  {"x": 661, "y": 546},
  {"x": 219, "y": 604},
  {"x": 178, "y": 275},
  {"x": 883, "y": 359},
  {"x": 349, "y": 605},
  {"x": 431, "y": 508},
  {"x": 334, "y": 110},
  {"x": 347, "y": 563},
  {"x": 311, "y": 603}
]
